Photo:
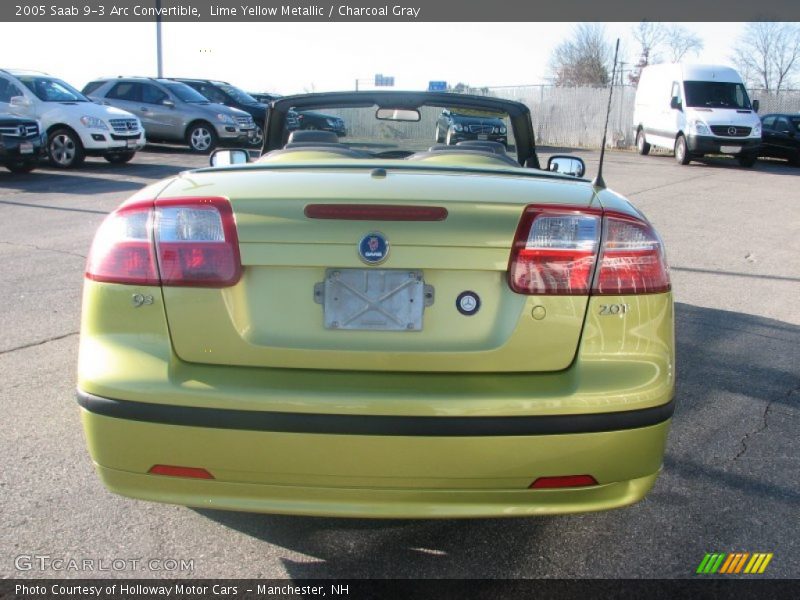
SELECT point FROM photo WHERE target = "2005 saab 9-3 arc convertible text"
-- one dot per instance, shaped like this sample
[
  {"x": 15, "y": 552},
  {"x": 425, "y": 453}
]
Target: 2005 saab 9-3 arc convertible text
[{"x": 379, "y": 328}]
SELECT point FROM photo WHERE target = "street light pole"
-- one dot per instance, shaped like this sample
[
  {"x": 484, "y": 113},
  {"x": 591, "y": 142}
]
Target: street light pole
[{"x": 159, "y": 57}]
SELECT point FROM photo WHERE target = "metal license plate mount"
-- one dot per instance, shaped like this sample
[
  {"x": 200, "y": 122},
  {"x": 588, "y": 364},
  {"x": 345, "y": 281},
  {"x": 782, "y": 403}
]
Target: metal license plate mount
[{"x": 373, "y": 299}]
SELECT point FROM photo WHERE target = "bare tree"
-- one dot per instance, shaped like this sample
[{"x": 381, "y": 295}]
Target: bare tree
[
  {"x": 680, "y": 41},
  {"x": 649, "y": 36},
  {"x": 584, "y": 59},
  {"x": 768, "y": 54}
]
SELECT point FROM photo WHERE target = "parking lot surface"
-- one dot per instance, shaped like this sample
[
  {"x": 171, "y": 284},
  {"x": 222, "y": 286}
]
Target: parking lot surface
[{"x": 730, "y": 480}]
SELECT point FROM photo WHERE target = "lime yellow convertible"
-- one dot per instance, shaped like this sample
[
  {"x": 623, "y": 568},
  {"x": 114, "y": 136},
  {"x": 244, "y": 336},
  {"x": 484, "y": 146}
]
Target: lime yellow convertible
[{"x": 384, "y": 328}]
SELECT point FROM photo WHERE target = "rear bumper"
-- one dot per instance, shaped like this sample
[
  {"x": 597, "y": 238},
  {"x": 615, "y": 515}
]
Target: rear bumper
[{"x": 376, "y": 466}]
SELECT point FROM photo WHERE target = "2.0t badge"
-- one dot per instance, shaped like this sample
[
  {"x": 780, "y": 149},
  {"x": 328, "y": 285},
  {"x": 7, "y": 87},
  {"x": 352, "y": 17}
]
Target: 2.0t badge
[{"x": 373, "y": 248}]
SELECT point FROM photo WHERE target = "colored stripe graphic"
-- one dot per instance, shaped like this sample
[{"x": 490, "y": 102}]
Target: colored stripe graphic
[{"x": 734, "y": 563}]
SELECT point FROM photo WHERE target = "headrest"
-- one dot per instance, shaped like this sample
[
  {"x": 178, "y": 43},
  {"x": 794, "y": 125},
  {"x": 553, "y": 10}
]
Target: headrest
[{"x": 313, "y": 135}]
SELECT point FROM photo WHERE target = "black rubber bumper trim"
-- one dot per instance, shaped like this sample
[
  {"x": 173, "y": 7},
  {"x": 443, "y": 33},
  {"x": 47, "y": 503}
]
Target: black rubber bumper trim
[{"x": 253, "y": 420}]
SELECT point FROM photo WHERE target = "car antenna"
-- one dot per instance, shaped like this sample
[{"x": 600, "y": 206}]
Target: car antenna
[{"x": 598, "y": 180}]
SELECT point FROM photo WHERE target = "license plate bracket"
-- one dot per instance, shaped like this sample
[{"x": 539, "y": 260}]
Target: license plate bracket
[
  {"x": 26, "y": 148},
  {"x": 730, "y": 149},
  {"x": 373, "y": 299}
]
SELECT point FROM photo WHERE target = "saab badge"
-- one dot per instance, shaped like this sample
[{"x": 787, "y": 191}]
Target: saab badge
[
  {"x": 468, "y": 303},
  {"x": 373, "y": 248}
]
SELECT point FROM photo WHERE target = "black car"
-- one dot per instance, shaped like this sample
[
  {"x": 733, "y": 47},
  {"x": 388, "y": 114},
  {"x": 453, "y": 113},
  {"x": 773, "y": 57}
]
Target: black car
[
  {"x": 453, "y": 127},
  {"x": 223, "y": 92},
  {"x": 780, "y": 137},
  {"x": 21, "y": 144},
  {"x": 309, "y": 119}
]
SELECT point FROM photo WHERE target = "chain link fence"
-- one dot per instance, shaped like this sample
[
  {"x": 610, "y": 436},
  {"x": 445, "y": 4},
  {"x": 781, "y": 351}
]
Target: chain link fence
[{"x": 574, "y": 116}]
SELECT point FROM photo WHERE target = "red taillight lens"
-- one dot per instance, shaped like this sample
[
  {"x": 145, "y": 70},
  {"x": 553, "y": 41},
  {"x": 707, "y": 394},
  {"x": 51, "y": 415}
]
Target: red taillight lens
[
  {"x": 632, "y": 259},
  {"x": 122, "y": 250},
  {"x": 197, "y": 243},
  {"x": 562, "y": 481},
  {"x": 174, "y": 242},
  {"x": 175, "y": 471},
  {"x": 555, "y": 252}
]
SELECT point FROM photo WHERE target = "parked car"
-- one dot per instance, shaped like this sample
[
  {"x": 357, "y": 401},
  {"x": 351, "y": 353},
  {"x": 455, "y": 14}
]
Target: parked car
[
  {"x": 75, "y": 126},
  {"x": 453, "y": 127},
  {"x": 317, "y": 121},
  {"x": 780, "y": 137},
  {"x": 173, "y": 112},
  {"x": 222, "y": 92},
  {"x": 696, "y": 110},
  {"x": 22, "y": 143},
  {"x": 366, "y": 329},
  {"x": 292, "y": 122}
]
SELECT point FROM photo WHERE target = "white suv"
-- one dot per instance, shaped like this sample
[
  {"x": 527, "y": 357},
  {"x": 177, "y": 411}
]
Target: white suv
[{"x": 76, "y": 127}]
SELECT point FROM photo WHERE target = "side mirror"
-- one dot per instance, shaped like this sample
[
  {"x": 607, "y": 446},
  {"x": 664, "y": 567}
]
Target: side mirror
[
  {"x": 566, "y": 165},
  {"x": 222, "y": 158},
  {"x": 168, "y": 103},
  {"x": 675, "y": 103},
  {"x": 19, "y": 102},
  {"x": 756, "y": 104}
]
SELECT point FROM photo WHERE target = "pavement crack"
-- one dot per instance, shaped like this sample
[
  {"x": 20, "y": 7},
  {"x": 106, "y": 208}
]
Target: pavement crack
[
  {"x": 764, "y": 424},
  {"x": 665, "y": 185},
  {"x": 40, "y": 342},
  {"x": 35, "y": 247}
]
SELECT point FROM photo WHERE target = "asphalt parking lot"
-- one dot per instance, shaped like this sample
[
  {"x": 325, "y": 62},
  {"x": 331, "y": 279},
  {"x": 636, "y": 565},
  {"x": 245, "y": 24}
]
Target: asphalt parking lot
[{"x": 730, "y": 480}]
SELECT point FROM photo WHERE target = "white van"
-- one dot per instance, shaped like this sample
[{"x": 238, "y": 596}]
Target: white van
[
  {"x": 76, "y": 127},
  {"x": 696, "y": 110}
]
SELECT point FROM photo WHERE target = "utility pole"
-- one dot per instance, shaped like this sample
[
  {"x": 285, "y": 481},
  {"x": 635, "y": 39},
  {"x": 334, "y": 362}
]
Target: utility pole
[{"x": 159, "y": 57}]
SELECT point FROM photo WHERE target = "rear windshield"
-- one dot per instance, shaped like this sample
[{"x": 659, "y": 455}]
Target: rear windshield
[
  {"x": 715, "y": 94},
  {"x": 49, "y": 89},
  {"x": 186, "y": 93}
]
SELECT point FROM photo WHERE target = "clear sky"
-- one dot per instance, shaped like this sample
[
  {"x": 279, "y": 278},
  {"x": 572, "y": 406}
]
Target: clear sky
[{"x": 299, "y": 57}]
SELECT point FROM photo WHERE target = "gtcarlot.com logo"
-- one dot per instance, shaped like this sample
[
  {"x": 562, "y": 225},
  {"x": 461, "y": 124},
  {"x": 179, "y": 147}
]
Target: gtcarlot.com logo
[{"x": 734, "y": 563}]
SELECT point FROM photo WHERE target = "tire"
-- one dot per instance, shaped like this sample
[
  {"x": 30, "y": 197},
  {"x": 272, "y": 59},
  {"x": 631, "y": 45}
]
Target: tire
[
  {"x": 439, "y": 136},
  {"x": 449, "y": 138},
  {"x": 641, "y": 144},
  {"x": 747, "y": 160},
  {"x": 22, "y": 166},
  {"x": 119, "y": 158},
  {"x": 795, "y": 160},
  {"x": 681, "y": 151},
  {"x": 201, "y": 138},
  {"x": 65, "y": 149}
]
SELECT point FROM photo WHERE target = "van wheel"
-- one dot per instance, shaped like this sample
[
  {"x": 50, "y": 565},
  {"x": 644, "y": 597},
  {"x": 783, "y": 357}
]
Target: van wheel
[
  {"x": 747, "y": 160},
  {"x": 439, "y": 136},
  {"x": 641, "y": 144},
  {"x": 681, "y": 151},
  {"x": 65, "y": 149}
]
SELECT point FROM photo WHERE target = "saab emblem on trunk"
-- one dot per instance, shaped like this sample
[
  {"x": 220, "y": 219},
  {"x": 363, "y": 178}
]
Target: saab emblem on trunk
[{"x": 373, "y": 248}]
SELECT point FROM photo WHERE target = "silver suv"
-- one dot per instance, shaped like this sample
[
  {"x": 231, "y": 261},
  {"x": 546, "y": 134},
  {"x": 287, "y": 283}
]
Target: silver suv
[{"x": 173, "y": 112}]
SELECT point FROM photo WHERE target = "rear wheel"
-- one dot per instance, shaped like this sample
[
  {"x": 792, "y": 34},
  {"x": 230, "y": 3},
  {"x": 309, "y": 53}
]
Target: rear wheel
[
  {"x": 681, "y": 151},
  {"x": 65, "y": 149},
  {"x": 22, "y": 166},
  {"x": 439, "y": 136},
  {"x": 747, "y": 160},
  {"x": 201, "y": 137},
  {"x": 449, "y": 138},
  {"x": 641, "y": 144},
  {"x": 119, "y": 158}
]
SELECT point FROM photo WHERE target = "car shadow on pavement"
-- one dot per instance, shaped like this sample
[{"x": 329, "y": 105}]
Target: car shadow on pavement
[
  {"x": 43, "y": 182},
  {"x": 729, "y": 483}
]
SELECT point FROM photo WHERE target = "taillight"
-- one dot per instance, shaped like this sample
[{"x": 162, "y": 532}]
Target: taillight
[
  {"x": 175, "y": 242},
  {"x": 122, "y": 250},
  {"x": 556, "y": 248},
  {"x": 554, "y": 251},
  {"x": 196, "y": 242},
  {"x": 632, "y": 259}
]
